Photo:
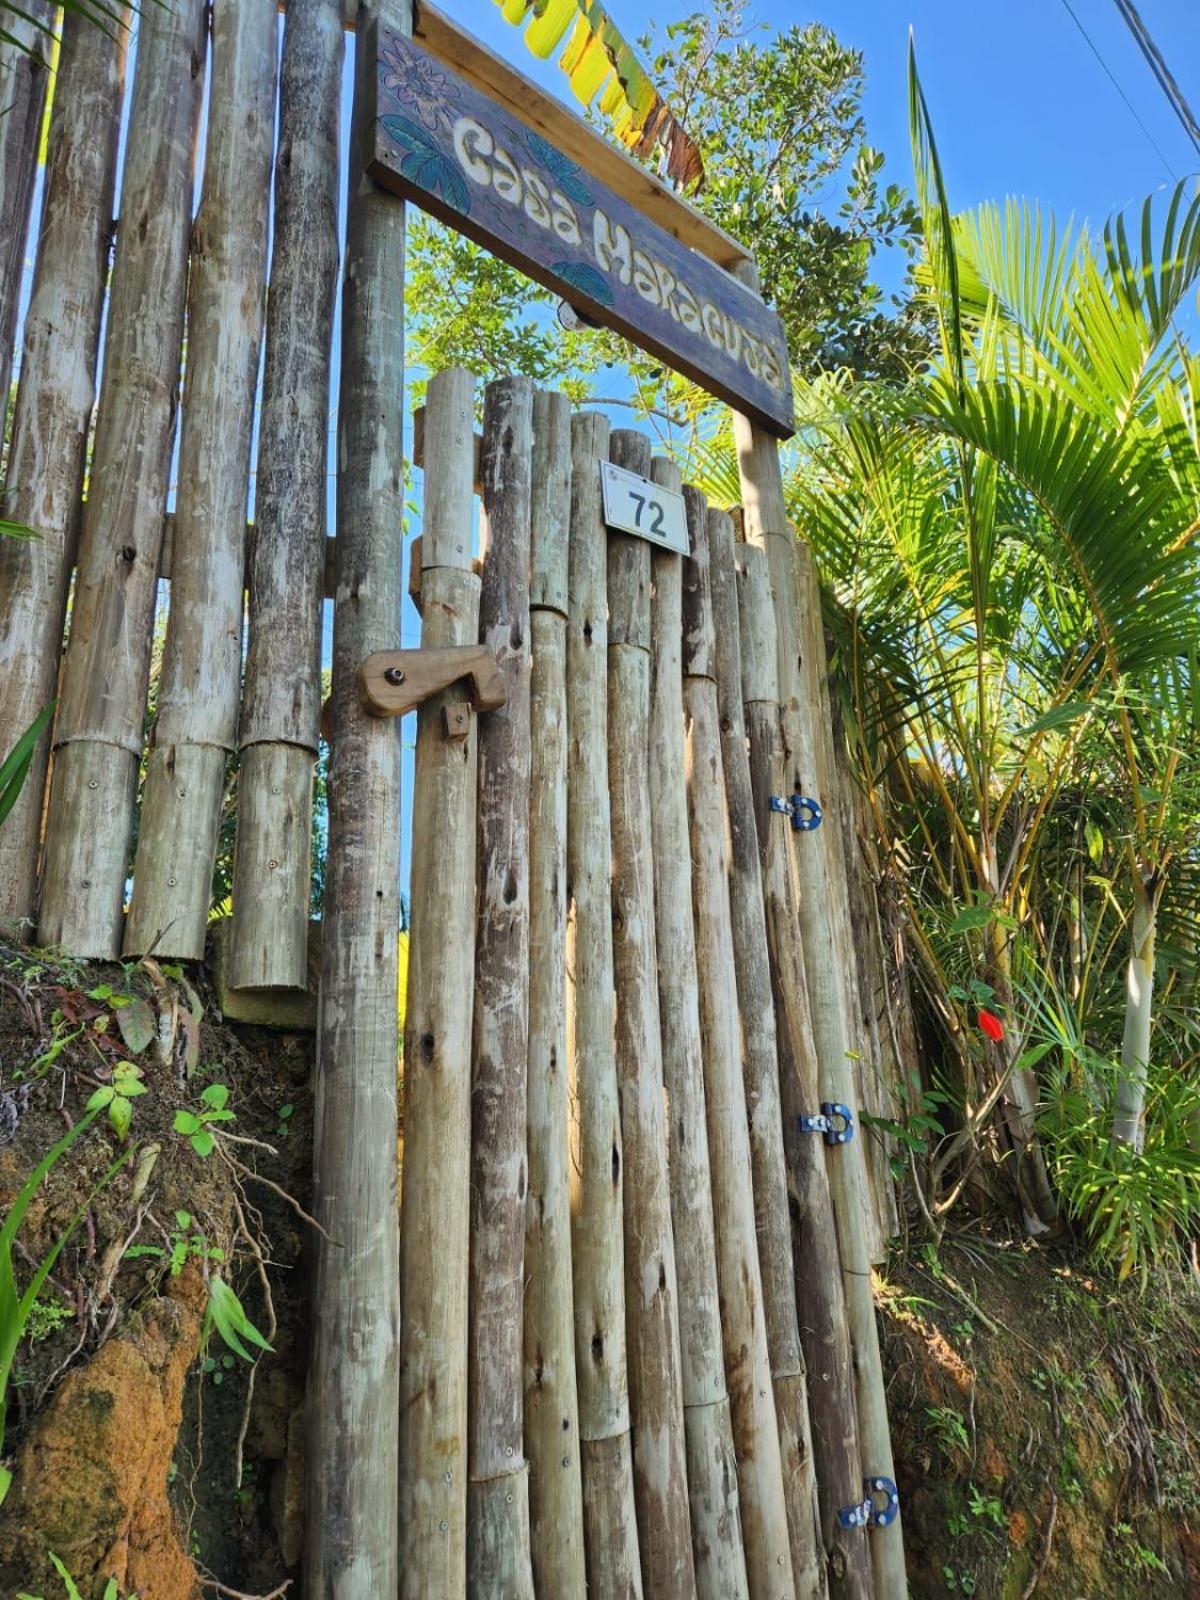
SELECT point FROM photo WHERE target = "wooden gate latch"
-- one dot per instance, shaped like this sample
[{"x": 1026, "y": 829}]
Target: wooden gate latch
[{"x": 391, "y": 682}]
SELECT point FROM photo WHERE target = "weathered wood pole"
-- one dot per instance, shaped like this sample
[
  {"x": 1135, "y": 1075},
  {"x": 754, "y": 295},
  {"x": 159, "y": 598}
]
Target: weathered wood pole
[
  {"x": 825, "y": 1338},
  {"x": 827, "y": 781},
  {"x": 651, "y": 1308},
  {"x": 351, "y": 1456},
  {"x": 281, "y": 702},
  {"x": 24, "y": 78},
  {"x": 743, "y": 1320},
  {"x": 881, "y": 1067},
  {"x": 551, "y": 1403},
  {"x": 53, "y": 412},
  {"x": 198, "y": 695},
  {"x": 498, "y": 1556},
  {"x": 597, "y": 1239},
  {"x": 435, "y": 1212},
  {"x": 760, "y": 1066},
  {"x": 99, "y": 735},
  {"x": 767, "y": 525},
  {"x": 720, "y": 1560}
]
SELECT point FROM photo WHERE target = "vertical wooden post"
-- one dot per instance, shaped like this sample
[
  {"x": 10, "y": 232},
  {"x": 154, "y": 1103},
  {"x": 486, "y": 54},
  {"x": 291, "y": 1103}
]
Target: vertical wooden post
[
  {"x": 281, "y": 701},
  {"x": 766, "y": 525},
  {"x": 54, "y": 407},
  {"x": 24, "y": 76},
  {"x": 747, "y": 1362},
  {"x": 202, "y": 663},
  {"x": 761, "y": 1069},
  {"x": 833, "y": 1408},
  {"x": 99, "y": 735},
  {"x": 597, "y": 1246},
  {"x": 498, "y": 1558},
  {"x": 880, "y": 1065},
  {"x": 651, "y": 1309},
  {"x": 826, "y": 780},
  {"x": 351, "y": 1460},
  {"x": 551, "y": 1404},
  {"x": 434, "y": 1218},
  {"x": 712, "y": 1471}
]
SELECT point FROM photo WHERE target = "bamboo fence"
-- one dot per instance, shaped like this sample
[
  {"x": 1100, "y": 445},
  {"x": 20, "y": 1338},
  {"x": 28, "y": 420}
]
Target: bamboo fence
[
  {"x": 638, "y": 1353},
  {"x": 55, "y": 396}
]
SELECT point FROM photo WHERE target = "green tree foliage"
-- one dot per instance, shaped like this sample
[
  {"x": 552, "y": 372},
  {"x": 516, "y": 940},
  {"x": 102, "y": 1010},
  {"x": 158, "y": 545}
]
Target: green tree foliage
[{"x": 779, "y": 123}]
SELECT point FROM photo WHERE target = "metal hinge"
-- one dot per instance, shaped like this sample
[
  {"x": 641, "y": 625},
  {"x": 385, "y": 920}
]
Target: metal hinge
[
  {"x": 832, "y": 1112},
  {"x": 868, "y": 1512},
  {"x": 805, "y": 812}
]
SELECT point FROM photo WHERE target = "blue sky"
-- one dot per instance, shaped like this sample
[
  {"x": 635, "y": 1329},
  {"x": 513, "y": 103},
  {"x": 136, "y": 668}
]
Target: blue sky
[{"x": 1020, "y": 104}]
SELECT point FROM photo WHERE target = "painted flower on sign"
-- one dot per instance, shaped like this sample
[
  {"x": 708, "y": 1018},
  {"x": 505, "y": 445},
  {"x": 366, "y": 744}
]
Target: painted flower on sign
[{"x": 418, "y": 82}]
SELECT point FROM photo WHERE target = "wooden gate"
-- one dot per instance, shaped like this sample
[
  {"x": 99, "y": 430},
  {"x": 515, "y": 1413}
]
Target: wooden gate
[{"x": 620, "y": 1282}]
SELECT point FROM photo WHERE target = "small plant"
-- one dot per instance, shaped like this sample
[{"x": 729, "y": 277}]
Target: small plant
[
  {"x": 227, "y": 1316},
  {"x": 196, "y": 1126},
  {"x": 216, "y": 1370},
  {"x": 46, "y": 1317},
  {"x": 111, "y": 1592},
  {"x": 949, "y": 1428},
  {"x": 285, "y": 1116},
  {"x": 986, "y": 1507},
  {"x": 118, "y": 1096},
  {"x": 1133, "y": 1557},
  {"x": 183, "y": 1245}
]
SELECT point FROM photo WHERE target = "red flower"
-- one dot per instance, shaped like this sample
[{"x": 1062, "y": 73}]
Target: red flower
[{"x": 990, "y": 1024}]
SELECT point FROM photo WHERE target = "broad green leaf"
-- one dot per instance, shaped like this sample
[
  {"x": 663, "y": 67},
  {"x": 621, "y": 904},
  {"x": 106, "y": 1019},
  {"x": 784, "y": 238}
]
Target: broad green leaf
[
  {"x": 970, "y": 918},
  {"x": 137, "y": 1024}
]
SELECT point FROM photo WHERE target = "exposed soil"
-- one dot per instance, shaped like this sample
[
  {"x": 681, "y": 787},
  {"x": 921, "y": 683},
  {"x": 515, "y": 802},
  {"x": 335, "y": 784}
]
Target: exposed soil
[
  {"x": 1045, "y": 1424},
  {"x": 142, "y": 1447}
]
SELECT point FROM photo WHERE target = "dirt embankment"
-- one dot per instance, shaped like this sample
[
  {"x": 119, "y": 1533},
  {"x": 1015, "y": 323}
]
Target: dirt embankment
[
  {"x": 1046, "y": 1426},
  {"x": 143, "y": 1447}
]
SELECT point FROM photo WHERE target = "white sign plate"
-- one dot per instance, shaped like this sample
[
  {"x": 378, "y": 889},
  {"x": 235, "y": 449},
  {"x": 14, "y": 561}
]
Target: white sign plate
[{"x": 635, "y": 505}]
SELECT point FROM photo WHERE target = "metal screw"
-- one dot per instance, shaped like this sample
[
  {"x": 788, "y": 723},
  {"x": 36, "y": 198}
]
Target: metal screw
[
  {"x": 394, "y": 675},
  {"x": 272, "y": 865},
  {"x": 171, "y": 882},
  {"x": 449, "y": 1477},
  {"x": 92, "y": 784},
  {"x": 443, "y": 1526},
  {"x": 508, "y": 1450}
]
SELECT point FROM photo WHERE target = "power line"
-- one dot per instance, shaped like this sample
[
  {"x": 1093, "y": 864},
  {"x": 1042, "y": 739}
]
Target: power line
[
  {"x": 1108, "y": 72},
  {"x": 1158, "y": 67}
]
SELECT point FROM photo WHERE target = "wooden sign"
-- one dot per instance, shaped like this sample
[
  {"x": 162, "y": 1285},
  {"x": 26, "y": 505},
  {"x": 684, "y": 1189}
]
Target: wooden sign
[{"x": 442, "y": 143}]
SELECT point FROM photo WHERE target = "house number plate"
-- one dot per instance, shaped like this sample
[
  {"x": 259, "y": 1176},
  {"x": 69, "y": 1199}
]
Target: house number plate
[{"x": 635, "y": 505}]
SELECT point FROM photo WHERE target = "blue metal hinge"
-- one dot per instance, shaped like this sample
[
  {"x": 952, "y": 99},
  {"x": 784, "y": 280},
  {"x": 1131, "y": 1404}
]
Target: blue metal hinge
[
  {"x": 832, "y": 1112},
  {"x": 869, "y": 1512},
  {"x": 882, "y": 1489},
  {"x": 805, "y": 812}
]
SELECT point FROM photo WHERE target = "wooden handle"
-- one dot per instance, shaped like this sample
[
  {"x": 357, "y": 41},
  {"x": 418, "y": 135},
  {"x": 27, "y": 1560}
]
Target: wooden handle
[{"x": 391, "y": 682}]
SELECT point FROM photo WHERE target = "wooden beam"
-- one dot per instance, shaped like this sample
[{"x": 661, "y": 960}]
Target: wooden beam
[{"x": 560, "y": 126}]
